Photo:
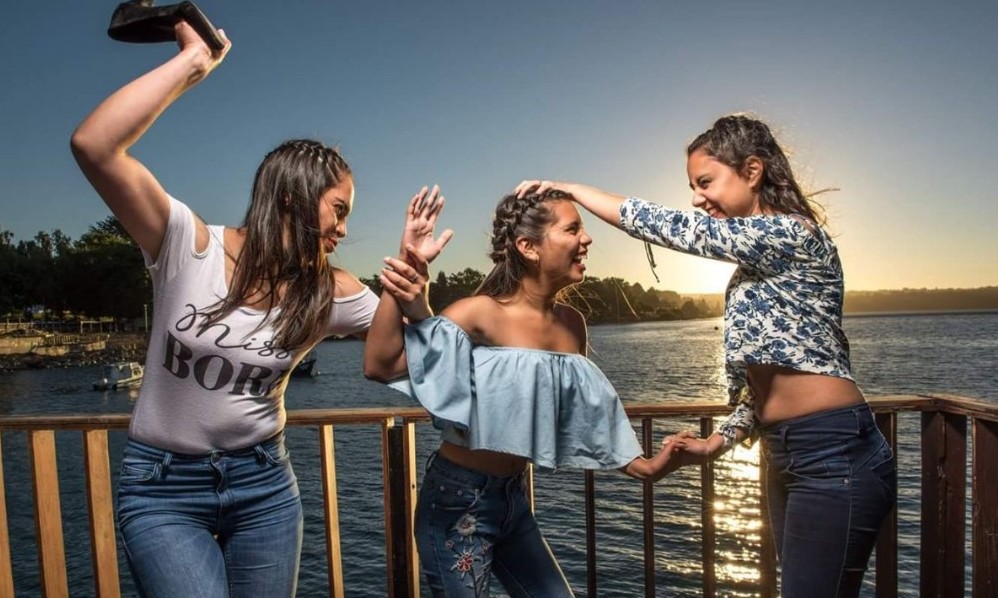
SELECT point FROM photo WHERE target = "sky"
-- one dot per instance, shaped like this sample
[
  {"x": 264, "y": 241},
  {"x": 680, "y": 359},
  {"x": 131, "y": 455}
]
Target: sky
[{"x": 891, "y": 103}]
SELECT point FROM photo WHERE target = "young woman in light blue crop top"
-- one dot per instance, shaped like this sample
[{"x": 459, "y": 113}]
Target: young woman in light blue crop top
[
  {"x": 830, "y": 473},
  {"x": 207, "y": 501},
  {"x": 505, "y": 377}
]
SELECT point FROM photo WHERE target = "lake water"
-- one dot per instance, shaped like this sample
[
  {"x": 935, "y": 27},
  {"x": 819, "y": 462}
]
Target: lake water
[{"x": 649, "y": 363}]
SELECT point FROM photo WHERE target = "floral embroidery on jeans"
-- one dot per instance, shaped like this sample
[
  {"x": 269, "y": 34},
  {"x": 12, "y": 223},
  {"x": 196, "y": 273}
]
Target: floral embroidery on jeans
[{"x": 471, "y": 554}]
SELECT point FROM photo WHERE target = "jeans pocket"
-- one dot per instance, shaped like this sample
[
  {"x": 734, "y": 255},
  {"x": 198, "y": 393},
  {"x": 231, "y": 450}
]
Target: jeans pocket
[
  {"x": 834, "y": 468},
  {"x": 278, "y": 455},
  {"x": 884, "y": 468},
  {"x": 453, "y": 498},
  {"x": 136, "y": 470}
]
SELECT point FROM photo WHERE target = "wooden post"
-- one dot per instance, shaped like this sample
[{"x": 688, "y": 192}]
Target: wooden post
[
  {"x": 944, "y": 452},
  {"x": 985, "y": 508},
  {"x": 48, "y": 515},
  {"x": 6, "y": 573},
  {"x": 398, "y": 521},
  {"x": 709, "y": 540},
  {"x": 103, "y": 545},
  {"x": 648, "y": 504},
  {"x": 887, "y": 540},
  {"x": 331, "y": 510},
  {"x": 590, "y": 477}
]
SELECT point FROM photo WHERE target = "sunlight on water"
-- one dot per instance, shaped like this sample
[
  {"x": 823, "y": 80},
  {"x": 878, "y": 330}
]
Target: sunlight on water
[{"x": 653, "y": 362}]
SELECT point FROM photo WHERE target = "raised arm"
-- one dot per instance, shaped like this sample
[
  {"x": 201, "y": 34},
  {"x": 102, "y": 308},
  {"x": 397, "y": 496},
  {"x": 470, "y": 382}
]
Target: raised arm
[
  {"x": 100, "y": 143},
  {"x": 770, "y": 243},
  {"x": 405, "y": 281},
  {"x": 602, "y": 204}
]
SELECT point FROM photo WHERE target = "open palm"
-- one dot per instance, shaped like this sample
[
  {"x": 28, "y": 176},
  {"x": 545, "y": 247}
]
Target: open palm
[{"x": 420, "y": 220}]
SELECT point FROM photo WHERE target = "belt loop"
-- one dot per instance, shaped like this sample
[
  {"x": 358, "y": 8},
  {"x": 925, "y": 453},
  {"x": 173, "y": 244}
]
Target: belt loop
[
  {"x": 165, "y": 463},
  {"x": 783, "y": 437},
  {"x": 261, "y": 453},
  {"x": 430, "y": 460}
]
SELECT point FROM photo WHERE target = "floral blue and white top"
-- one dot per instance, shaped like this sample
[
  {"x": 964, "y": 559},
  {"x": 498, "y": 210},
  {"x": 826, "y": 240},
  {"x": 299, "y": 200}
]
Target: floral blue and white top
[{"x": 783, "y": 305}]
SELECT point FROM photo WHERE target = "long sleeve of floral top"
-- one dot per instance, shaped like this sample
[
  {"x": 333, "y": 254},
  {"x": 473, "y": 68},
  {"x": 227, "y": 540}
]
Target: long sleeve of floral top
[{"x": 783, "y": 305}]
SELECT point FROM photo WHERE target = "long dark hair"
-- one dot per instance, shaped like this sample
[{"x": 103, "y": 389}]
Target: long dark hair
[
  {"x": 734, "y": 138},
  {"x": 282, "y": 257},
  {"x": 516, "y": 217}
]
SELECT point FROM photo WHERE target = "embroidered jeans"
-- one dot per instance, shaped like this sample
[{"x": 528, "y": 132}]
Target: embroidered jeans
[
  {"x": 471, "y": 526},
  {"x": 831, "y": 478},
  {"x": 226, "y": 525}
]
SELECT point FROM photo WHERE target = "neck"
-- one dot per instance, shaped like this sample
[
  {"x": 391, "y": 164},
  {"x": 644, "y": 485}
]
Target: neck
[{"x": 537, "y": 294}]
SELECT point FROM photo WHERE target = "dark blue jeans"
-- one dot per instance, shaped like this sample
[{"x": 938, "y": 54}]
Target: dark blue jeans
[
  {"x": 831, "y": 478},
  {"x": 470, "y": 525},
  {"x": 223, "y": 525}
]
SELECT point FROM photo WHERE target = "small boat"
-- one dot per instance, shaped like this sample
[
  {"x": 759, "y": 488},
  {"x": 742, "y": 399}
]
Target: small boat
[
  {"x": 305, "y": 367},
  {"x": 116, "y": 376}
]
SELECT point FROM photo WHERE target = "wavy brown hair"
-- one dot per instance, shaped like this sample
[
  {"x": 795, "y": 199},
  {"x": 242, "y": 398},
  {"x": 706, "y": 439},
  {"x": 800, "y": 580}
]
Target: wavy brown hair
[
  {"x": 734, "y": 138},
  {"x": 282, "y": 259},
  {"x": 516, "y": 217}
]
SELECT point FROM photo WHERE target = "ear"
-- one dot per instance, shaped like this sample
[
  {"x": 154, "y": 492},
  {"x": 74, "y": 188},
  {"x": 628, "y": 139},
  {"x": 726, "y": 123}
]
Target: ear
[
  {"x": 526, "y": 248},
  {"x": 752, "y": 171}
]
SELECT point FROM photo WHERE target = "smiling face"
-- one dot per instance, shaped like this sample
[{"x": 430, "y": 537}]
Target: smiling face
[
  {"x": 565, "y": 245},
  {"x": 721, "y": 191},
  {"x": 335, "y": 206}
]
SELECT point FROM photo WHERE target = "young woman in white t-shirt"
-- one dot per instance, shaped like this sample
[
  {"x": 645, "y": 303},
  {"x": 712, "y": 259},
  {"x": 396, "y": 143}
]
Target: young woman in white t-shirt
[{"x": 208, "y": 504}]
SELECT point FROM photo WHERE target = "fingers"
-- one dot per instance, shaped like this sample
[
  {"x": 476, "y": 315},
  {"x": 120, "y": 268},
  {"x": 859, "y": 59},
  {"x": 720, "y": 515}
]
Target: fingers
[
  {"x": 525, "y": 187},
  {"x": 400, "y": 270},
  {"x": 427, "y": 202},
  {"x": 533, "y": 186}
]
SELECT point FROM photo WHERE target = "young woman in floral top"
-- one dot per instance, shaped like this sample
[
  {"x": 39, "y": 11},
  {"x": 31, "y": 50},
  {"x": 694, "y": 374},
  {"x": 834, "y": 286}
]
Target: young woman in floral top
[{"x": 830, "y": 473}]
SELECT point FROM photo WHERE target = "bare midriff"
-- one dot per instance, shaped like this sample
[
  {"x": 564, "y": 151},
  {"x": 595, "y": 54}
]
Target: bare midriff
[
  {"x": 489, "y": 462},
  {"x": 782, "y": 393}
]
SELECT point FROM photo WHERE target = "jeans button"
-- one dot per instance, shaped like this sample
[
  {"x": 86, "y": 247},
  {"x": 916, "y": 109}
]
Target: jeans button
[
  {"x": 443, "y": 488},
  {"x": 460, "y": 492}
]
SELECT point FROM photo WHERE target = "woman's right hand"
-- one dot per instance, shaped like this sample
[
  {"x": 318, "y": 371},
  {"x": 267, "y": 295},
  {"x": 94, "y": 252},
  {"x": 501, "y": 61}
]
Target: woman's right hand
[{"x": 188, "y": 40}]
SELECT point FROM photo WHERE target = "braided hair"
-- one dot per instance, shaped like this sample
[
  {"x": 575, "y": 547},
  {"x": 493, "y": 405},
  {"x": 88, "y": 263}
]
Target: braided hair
[
  {"x": 734, "y": 138},
  {"x": 282, "y": 248},
  {"x": 516, "y": 217}
]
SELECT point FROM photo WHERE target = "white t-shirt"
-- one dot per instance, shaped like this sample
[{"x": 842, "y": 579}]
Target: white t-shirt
[{"x": 221, "y": 388}]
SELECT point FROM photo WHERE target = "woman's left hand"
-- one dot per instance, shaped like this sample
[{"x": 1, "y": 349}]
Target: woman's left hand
[
  {"x": 406, "y": 279},
  {"x": 420, "y": 219}
]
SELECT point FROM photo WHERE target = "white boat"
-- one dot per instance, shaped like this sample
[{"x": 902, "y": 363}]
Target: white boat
[{"x": 115, "y": 376}]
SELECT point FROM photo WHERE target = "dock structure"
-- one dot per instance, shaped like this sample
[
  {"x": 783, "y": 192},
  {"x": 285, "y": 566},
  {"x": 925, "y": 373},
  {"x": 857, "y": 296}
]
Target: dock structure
[{"x": 958, "y": 438}]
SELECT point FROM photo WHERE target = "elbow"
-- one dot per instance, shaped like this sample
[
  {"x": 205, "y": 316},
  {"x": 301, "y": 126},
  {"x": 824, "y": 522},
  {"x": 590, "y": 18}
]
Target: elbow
[
  {"x": 378, "y": 371},
  {"x": 83, "y": 147}
]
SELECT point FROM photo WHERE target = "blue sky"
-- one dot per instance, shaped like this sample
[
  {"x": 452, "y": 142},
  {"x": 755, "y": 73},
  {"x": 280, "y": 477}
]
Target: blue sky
[{"x": 891, "y": 102}]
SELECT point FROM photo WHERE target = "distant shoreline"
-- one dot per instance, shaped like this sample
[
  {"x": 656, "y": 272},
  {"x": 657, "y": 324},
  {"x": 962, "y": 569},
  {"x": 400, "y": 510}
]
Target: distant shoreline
[{"x": 135, "y": 350}]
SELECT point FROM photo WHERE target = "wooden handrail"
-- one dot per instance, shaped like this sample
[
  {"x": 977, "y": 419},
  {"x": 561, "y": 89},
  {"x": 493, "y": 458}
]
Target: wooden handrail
[{"x": 945, "y": 420}]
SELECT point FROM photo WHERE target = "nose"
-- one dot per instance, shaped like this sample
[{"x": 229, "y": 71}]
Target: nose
[
  {"x": 586, "y": 239},
  {"x": 699, "y": 201},
  {"x": 341, "y": 228}
]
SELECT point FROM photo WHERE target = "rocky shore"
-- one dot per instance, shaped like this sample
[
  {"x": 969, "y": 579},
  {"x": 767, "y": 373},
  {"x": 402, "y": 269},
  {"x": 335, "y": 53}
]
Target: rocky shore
[{"x": 123, "y": 347}]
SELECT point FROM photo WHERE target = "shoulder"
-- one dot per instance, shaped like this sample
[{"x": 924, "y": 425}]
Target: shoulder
[
  {"x": 347, "y": 285},
  {"x": 574, "y": 321},
  {"x": 475, "y": 314}
]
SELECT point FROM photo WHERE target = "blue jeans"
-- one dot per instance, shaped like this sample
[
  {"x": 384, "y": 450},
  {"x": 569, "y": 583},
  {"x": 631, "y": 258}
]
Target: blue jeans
[
  {"x": 226, "y": 524},
  {"x": 471, "y": 525},
  {"x": 831, "y": 479}
]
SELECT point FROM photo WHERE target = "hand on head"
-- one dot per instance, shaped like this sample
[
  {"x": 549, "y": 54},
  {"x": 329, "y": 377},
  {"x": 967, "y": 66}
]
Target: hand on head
[{"x": 535, "y": 187}]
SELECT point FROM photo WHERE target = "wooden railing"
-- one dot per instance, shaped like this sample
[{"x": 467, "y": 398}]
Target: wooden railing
[{"x": 945, "y": 421}]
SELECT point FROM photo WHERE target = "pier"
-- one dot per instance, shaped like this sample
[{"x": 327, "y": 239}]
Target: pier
[{"x": 958, "y": 441}]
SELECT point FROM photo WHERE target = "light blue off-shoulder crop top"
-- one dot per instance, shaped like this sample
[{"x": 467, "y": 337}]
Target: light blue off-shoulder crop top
[{"x": 556, "y": 409}]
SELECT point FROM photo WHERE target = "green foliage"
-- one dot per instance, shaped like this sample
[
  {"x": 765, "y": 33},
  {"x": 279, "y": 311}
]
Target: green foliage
[{"x": 101, "y": 274}]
